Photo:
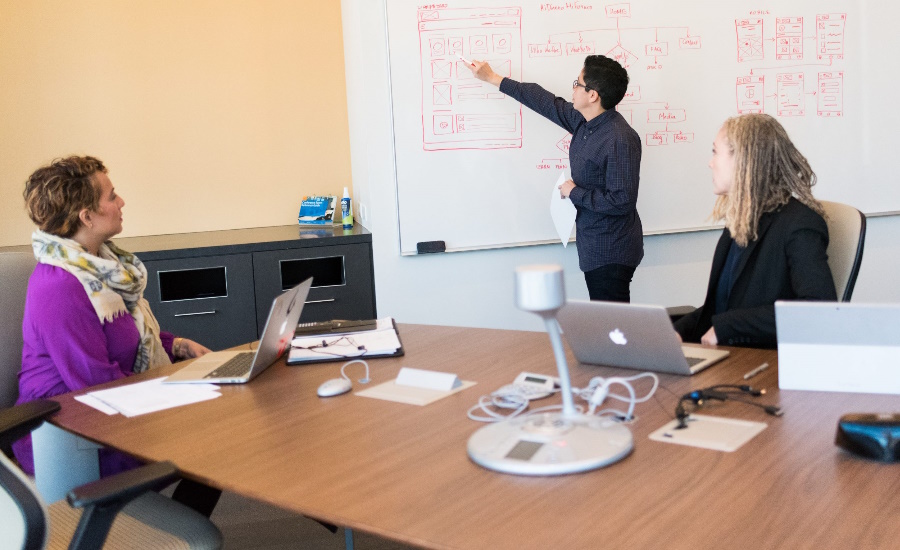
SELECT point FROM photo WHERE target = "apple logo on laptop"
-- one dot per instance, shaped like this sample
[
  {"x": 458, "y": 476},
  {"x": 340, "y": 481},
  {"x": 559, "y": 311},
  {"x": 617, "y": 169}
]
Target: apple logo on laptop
[{"x": 618, "y": 337}]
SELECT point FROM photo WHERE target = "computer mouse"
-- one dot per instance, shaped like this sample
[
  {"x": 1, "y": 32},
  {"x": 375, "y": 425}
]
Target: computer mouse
[{"x": 335, "y": 386}]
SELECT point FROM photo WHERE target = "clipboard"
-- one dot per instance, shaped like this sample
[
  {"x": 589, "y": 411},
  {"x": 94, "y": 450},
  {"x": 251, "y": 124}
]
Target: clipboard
[
  {"x": 334, "y": 327},
  {"x": 327, "y": 358}
]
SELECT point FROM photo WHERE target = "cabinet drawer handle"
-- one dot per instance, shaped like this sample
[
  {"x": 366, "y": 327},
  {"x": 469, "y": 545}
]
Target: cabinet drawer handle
[
  {"x": 197, "y": 313},
  {"x": 319, "y": 301}
]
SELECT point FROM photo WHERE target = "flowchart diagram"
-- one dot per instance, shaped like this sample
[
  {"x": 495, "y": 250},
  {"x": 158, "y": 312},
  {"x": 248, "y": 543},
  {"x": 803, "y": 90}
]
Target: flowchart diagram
[
  {"x": 640, "y": 49},
  {"x": 620, "y": 41},
  {"x": 787, "y": 44}
]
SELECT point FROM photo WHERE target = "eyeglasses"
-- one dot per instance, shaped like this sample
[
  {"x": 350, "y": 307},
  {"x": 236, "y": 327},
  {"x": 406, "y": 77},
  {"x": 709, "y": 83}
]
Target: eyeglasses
[
  {"x": 576, "y": 84},
  {"x": 345, "y": 346}
]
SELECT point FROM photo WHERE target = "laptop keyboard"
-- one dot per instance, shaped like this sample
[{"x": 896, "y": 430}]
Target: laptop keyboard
[
  {"x": 236, "y": 367},
  {"x": 694, "y": 360}
]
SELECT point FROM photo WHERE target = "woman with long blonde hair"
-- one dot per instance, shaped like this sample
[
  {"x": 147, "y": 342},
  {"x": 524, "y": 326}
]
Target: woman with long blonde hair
[{"x": 775, "y": 238}]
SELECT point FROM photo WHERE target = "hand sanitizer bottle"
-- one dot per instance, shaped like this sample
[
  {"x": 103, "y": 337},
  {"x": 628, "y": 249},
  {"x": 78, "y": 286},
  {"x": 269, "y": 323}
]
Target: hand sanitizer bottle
[{"x": 347, "y": 217}]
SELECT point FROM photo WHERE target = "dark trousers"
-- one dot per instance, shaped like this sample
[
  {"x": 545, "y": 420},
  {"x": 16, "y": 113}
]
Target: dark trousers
[
  {"x": 610, "y": 283},
  {"x": 197, "y": 496}
]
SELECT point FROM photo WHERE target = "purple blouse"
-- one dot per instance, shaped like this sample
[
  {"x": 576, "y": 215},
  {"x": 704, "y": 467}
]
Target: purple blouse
[{"x": 66, "y": 348}]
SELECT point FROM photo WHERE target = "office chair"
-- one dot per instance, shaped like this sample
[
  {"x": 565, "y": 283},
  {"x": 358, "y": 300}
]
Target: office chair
[
  {"x": 121, "y": 511},
  {"x": 846, "y": 238},
  {"x": 15, "y": 269}
]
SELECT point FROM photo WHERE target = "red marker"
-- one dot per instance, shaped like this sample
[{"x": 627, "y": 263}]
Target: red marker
[{"x": 461, "y": 58}]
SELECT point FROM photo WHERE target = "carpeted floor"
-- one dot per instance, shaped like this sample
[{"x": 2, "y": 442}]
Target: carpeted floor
[{"x": 248, "y": 524}]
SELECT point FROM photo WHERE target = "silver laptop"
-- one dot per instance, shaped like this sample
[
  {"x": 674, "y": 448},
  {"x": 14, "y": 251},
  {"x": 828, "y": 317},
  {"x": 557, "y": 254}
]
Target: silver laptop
[
  {"x": 630, "y": 336},
  {"x": 239, "y": 367},
  {"x": 838, "y": 346}
]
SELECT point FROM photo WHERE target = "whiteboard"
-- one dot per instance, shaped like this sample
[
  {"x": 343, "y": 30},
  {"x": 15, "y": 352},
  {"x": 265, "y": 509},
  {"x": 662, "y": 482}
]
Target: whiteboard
[{"x": 475, "y": 169}]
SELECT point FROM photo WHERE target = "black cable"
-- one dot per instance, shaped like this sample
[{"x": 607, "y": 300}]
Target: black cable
[
  {"x": 318, "y": 348},
  {"x": 720, "y": 392}
]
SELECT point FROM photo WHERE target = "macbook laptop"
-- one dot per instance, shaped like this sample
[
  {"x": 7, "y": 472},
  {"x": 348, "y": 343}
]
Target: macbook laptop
[
  {"x": 239, "y": 367},
  {"x": 838, "y": 346},
  {"x": 630, "y": 336}
]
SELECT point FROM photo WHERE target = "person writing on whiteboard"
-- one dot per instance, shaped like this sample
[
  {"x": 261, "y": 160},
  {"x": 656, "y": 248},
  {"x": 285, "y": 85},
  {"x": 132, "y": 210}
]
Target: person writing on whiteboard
[
  {"x": 86, "y": 319},
  {"x": 605, "y": 162},
  {"x": 775, "y": 239}
]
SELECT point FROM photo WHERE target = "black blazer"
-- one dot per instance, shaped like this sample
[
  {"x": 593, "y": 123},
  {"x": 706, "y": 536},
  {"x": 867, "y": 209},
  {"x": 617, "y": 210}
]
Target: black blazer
[{"x": 787, "y": 261}]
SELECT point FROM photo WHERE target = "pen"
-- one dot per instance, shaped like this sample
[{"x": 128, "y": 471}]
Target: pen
[
  {"x": 461, "y": 58},
  {"x": 756, "y": 371}
]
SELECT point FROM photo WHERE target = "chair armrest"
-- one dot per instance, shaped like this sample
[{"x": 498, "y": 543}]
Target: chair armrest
[
  {"x": 17, "y": 422},
  {"x": 677, "y": 312},
  {"x": 103, "y": 499},
  {"x": 123, "y": 487}
]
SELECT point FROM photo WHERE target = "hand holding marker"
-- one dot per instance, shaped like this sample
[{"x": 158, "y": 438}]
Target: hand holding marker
[{"x": 466, "y": 61}]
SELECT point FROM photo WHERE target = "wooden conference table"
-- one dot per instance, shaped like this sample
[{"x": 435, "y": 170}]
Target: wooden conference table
[{"x": 401, "y": 471}]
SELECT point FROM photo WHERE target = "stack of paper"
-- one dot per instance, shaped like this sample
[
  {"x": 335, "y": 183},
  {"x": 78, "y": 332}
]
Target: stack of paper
[
  {"x": 149, "y": 396},
  {"x": 381, "y": 341}
]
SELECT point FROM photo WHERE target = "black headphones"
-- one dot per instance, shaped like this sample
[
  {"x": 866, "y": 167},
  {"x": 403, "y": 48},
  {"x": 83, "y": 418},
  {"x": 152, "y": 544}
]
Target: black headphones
[{"x": 720, "y": 392}]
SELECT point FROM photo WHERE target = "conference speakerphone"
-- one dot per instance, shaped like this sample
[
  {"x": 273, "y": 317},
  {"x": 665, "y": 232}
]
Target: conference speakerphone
[{"x": 550, "y": 444}]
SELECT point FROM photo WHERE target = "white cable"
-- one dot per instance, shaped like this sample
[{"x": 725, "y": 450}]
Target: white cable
[
  {"x": 598, "y": 391},
  {"x": 361, "y": 380},
  {"x": 510, "y": 400}
]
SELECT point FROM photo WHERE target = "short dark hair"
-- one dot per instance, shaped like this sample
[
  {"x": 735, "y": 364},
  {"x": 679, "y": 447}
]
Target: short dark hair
[
  {"x": 606, "y": 77},
  {"x": 55, "y": 194}
]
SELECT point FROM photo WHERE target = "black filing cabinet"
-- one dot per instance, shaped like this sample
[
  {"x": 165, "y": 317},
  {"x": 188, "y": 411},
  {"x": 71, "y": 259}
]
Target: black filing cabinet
[
  {"x": 217, "y": 287},
  {"x": 340, "y": 288},
  {"x": 206, "y": 299}
]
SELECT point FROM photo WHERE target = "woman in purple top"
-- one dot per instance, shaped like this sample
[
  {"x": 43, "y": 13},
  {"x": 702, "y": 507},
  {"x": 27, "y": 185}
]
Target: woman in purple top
[{"x": 86, "y": 320}]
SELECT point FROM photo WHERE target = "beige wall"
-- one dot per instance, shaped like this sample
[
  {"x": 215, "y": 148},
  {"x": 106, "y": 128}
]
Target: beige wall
[{"x": 214, "y": 114}]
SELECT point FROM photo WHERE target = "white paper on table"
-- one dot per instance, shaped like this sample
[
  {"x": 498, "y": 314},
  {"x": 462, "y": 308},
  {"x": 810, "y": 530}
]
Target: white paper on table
[
  {"x": 562, "y": 211},
  {"x": 710, "y": 432},
  {"x": 92, "y": 401},
  {"x": 392, "y": 391},
  {"x": 153, "y": 395}
]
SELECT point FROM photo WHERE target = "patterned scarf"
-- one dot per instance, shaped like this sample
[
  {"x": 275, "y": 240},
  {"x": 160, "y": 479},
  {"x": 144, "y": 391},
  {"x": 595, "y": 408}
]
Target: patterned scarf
[{"x": 114, "y": 283}]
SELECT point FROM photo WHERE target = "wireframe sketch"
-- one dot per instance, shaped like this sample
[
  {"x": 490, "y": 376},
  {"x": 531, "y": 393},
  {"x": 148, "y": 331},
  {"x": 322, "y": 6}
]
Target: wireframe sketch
[
  {"x": 793, "y": 67},
  {"x": 791, "y": 94},
  {"x": 459, "y": 111},
  {"x": 750, "y": 94},
  {"x": 749, "y": 39},
  {"x": 789, "y": 38},
  {"x": 830, "y": 35},
  {"x": 830, "y": 94}
]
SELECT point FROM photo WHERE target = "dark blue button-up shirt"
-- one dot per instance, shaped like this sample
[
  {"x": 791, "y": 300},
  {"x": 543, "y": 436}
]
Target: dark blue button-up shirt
[{"x": 605, "y": 160}]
